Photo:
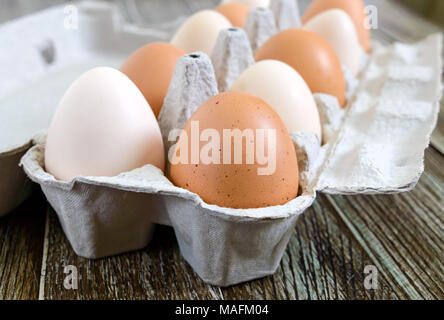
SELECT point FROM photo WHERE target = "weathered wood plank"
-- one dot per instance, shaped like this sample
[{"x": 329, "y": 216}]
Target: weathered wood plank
[
  {"x": 404, "y": 233},
  {"x": 21, "y": 243},
  {"x": 322, "y": 261},
  {"x": 155, "y": 273}
]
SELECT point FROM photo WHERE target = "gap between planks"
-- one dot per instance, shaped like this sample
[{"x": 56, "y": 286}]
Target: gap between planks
[{"x": 44, "y": 259}]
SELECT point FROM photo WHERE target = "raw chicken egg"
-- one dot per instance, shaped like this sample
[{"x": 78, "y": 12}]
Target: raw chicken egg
[
  {"x": 311, "y": 56},
  {"x": 285, "y": 91},
  {"x": 200, "y": 31},
  {"x": 103, "y": 126},
  {"x": 236, "y": 13},
  {"x": 354, "y": 8},
  {"x": 151, "y": 69},
  {"x": 338, "y": 29},
  {"x": 236, "y": 152},
  {"x": 251, "y": 4}
]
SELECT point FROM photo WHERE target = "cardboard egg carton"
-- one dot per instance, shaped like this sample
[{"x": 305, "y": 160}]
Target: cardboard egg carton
[
  {"x": 103, "y": 216},
  {"x": 375, "y": 145}
]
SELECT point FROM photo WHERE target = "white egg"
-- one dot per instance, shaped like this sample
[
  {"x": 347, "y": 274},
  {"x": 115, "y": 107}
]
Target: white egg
[
  {"x": 285, "y": 91},
  {"x": 251, "y": 4},
  {"x": 338, "y": 29},
  {"x": 103, "y": 126},
  {"x": 200, "y": 31}
]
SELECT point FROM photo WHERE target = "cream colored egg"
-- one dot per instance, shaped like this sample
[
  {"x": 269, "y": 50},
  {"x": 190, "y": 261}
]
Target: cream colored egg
[
  {"x": 251, "y": 4},
  {"x": 338, "y": 29},
  {"x": 285, "y": 91},
  {"x": 103, "y": 126},
  {"x": 200, "y": 31}
]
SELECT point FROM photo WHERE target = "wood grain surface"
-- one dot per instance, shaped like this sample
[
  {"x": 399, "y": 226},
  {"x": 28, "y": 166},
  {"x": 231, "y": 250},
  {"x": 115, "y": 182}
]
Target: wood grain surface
[
  {"x": 401, "y": 235},
  {"x": 21, "y": 246},
  {"x": 322, "y": 261}
]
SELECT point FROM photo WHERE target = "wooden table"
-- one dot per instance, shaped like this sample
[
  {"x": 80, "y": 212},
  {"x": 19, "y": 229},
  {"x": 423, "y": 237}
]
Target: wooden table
[{"x": 401, "y": 235}]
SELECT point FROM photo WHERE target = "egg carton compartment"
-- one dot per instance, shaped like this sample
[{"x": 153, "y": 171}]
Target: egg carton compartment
[
  {"x": 45, "y": 53},
  {"x": 103, "y": 216}
]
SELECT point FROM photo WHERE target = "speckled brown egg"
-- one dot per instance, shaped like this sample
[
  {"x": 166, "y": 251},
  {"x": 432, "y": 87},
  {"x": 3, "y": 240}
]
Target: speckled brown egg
[
  {"x": 310, "y": 55},
  {"x": 255, "y": 168},
  {"x": 151, "y": 69}
]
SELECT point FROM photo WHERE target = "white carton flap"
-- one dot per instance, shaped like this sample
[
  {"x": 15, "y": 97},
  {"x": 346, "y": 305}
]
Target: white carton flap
[{"x": 380, "y": 146}]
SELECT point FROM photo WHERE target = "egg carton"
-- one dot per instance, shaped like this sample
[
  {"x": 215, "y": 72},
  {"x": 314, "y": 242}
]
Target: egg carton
[{"x": 375, "y": 145}]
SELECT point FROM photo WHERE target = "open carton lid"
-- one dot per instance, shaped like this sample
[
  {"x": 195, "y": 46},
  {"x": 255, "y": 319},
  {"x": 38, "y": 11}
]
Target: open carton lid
[{"x": 380, "y": 145}]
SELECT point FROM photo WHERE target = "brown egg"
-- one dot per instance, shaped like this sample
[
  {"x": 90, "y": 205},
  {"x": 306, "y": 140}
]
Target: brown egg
[
  {"x": 151, "y": 68},
  {"x": 354, "y": 8},
  {"x": 311, "y": 56},
  {"x": 256, "y": 170},
  {"x": 236, "y": 13}
]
